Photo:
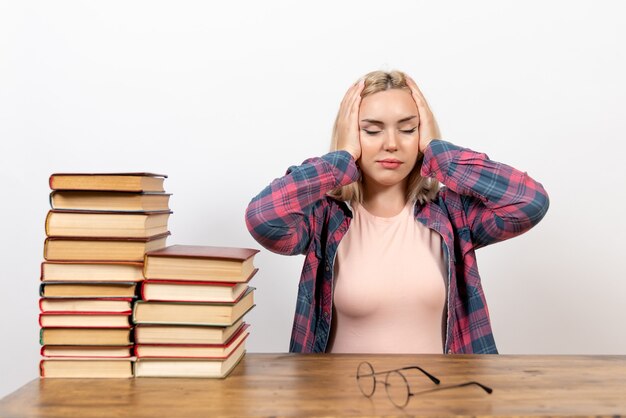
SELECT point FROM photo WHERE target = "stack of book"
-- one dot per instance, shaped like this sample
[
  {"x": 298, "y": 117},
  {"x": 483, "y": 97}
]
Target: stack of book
[
  {"x": 98, "y": 231},
  {"x": 189, "y": 321}
]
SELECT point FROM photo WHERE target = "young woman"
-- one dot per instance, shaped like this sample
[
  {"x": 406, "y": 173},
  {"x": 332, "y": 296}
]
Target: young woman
[{"x": 390, "y": 264}]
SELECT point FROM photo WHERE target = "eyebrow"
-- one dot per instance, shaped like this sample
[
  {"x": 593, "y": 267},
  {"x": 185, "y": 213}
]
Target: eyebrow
[{"x": 378, "y": 122}]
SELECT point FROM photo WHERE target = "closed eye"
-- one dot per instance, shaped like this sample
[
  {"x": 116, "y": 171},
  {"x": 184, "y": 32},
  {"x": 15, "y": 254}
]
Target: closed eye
[{"x": 410, "y": 131}]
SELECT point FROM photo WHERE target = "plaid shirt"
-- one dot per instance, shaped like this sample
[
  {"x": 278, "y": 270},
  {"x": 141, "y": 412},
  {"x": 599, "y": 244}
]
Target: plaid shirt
[{"x": 482, "y": 202}]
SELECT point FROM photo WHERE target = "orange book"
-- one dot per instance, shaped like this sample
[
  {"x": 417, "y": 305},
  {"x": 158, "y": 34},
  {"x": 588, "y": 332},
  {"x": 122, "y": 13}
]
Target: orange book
[{"x": 200, "y": 263}]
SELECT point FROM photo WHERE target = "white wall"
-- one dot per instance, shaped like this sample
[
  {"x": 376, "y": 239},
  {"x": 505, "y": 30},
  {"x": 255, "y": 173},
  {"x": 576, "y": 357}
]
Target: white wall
[{"x": 224, "y": 96}]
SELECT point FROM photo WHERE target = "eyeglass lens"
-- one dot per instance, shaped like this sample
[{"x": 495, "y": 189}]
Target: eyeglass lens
[{"x": 366, "y": 379}]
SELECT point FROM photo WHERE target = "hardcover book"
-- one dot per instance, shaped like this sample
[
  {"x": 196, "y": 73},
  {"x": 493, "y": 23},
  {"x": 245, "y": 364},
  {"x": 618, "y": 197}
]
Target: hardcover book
[
  {"x": 215, "y": 351},
  {"x": 87, "y": 271},
  {"x": 186, "y": 334},
  {"x": 200, "y": 263},
  {"x": 114, "y": 182},
  {"x": 84, "y": 320},
  {"x": 87, "y": 289},
  {"x": 113, "y": 201},
  {"x": 85, "y": 336},
  {"x": 101, "y": 249},
  {"x": 85, "y": 368},
  {"x": 184, "y": 313},
  {"x": 188, "y": 291},
  {"x": 106, "y": 224},
  {"x": 202, "y": 368}
]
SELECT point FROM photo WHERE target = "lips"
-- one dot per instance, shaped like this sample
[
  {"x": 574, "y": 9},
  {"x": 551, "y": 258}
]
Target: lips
[{"x": 390, "y": 163}]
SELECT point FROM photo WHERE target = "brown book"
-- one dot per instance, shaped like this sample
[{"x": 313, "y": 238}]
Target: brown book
[
  {"x": 186, "y": 334},
  {"x": 85, "y": 368},
  {"x": 97, "y": 271},
  {"x": 183, "y": 313},
  {"x": 66, "y": 223},
  {"x": 89, "y": 351},
  {"x": 73, "y": 305},
  {"x": 85, "y": 336},
  {"x": 217, "y": 351},
  {"x": 201, "y": 368},
  {"x": 114, "y": 201},
  {"x": 84, "y": 320},
  {"x": 113, "y": 182},
  {"x": 101, "y": 249},
  {"x": 200, "y": 263},
  {"x": 87, "y": 290},
  {"x": 188, "y": 291}
]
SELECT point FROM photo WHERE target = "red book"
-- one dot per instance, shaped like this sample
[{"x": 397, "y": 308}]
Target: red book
[
  {"x": 84, "y": 320},
  {"x": 188, "y": 291},
  {"x": 75, "y": 305},
  {"x": 212, "y": 351}
]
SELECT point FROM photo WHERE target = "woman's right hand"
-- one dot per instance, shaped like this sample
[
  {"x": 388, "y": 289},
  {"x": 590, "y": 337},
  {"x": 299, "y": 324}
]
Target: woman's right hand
[{"x": 348, "y": 131}]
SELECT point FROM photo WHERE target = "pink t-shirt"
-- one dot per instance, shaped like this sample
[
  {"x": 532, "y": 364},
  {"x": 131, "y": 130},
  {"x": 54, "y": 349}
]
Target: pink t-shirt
[{"x": 390, "y": 286}]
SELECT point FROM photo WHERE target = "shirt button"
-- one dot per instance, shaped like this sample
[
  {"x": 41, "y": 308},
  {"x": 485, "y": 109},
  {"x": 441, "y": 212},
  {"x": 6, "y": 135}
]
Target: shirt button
[
  {"x": 327, "y": 267},
  {"x": 449, "y": 351}
]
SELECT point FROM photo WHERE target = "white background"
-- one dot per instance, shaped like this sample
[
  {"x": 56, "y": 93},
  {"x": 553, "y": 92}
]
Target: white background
[{"x": 224, "y": 96}]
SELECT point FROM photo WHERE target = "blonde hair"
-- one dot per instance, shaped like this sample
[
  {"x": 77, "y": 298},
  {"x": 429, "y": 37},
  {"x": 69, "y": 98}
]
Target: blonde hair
[{"x": 421, "y": 189}]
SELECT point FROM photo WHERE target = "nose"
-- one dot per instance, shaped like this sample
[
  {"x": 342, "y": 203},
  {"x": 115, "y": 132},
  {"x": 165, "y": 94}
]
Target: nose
[{"x": 390, "y": 143}]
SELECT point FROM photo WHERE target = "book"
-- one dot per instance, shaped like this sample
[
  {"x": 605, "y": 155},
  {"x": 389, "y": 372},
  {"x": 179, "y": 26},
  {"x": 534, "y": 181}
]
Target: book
[
  {"x": 113, "y": 201},
  {"x": 86, "y": 271},
  {"x": 85, "y": 368},
  {"x": 186, "y": 334},
  {"x": 87, "y": 351},
  {"x": 84, "y": 320},
  {"x": 85, "y": 336},
  {"x": 186, "y": 291},
  {"x": 87, "y": 289},
  {"x": 101, "y": 249},
  {"x": 186, "y": 313},
  {"x": 108, "y": 305},
  {"x": 113, "y": 182},
  {"x": 200, "y": 263},
  {"x": 216, "y": 351},
  {"x": 106, "y": 224},
  {"x": 201, "y": 368}
]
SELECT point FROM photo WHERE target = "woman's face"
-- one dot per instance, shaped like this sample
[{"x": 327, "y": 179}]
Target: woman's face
[{"x": 389, "y": 136}]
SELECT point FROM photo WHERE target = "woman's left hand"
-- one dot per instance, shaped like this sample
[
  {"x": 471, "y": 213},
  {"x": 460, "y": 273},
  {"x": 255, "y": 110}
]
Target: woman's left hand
[{"x": 428, "y": 128}]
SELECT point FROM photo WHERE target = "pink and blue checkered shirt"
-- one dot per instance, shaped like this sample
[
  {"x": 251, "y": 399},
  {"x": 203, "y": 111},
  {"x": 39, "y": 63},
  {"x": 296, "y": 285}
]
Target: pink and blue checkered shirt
[{"x": 481, "y": 202}]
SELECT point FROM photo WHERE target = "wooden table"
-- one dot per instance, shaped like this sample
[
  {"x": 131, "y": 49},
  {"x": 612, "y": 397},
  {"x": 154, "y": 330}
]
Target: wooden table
[{"x": 325, "y": 385}]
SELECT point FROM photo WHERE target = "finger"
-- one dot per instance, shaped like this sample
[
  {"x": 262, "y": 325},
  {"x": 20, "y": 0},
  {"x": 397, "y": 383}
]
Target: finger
[
  {"x": 348, "y": 97},
  {"x": 416, "y": 92},
  {"x": 356, "y": 104},
  {"x": 354, "y": 94}
]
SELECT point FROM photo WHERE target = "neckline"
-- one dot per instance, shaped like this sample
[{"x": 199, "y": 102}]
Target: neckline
[{"x": 385, "y": 219}]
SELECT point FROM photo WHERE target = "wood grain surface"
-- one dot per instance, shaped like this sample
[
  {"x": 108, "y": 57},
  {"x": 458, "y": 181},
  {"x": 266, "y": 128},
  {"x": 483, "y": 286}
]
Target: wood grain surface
[{"x": 325, "y": 385}]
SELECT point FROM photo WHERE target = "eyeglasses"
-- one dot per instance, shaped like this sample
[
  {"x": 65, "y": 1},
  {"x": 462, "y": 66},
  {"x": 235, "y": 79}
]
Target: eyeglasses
[{"x": 396, "y": 384}]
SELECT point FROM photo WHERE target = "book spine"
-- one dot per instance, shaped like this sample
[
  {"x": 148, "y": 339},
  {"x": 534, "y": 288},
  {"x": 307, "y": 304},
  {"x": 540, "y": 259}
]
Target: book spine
[
  {"x": 45, "y": 249},
  {"x": 41, "y": 337},
  {"x": 41, "y": 289},
  {"x": 47, "y": 224},
  {"x": 41, "y": 275},
  {"x": 143, "y": 290},
  {"x": 42, "y": 372},
  {"x": 50, "y": 200}
]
